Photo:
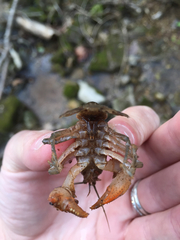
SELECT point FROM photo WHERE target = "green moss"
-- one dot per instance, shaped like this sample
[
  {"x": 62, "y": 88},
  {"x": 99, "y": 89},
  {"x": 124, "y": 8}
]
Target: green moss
[
  {"x": 154, "y": 30},
  {"x": 145, "y": 101},
  {"x": 65, "y": 50},
  {"x": 178, "y": 24},
  {"x": 8, "y": 109},
  {"x": 71, "y": 90},
  {"x": 59, "y": 57},
  {"x": 73, "y": 33},
  {"x": 107, "y": 60},
  {"x": 96, "y": 10},
  {"x": 175, "y": 39},
  {"x": 99, "y": 62},
  {"x": 177, "y": 98},
  {"x": 109, "y": 56},
  {"x": 59, "y": 69},
  {"x": 63, "y": 60}
]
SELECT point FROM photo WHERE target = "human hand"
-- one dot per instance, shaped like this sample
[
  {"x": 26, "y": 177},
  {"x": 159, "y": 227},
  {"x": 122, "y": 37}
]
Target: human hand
[{"x": 25, "y": 186}]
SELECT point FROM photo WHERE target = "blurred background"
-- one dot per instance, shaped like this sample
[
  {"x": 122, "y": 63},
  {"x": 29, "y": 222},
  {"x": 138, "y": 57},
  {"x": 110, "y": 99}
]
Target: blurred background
[{"x": 56, "y": 55}]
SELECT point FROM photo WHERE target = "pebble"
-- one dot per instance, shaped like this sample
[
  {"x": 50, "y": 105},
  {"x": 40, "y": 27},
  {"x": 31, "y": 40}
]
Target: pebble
[{"x": 87, "y": 93}]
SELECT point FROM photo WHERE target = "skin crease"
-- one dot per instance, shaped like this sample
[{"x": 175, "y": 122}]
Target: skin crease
[{"x": 25, "y": 185}]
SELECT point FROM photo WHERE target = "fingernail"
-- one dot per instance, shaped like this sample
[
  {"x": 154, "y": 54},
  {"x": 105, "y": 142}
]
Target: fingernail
[
  {"x": 123, "y": 129},
  {"x": 38, "y": 144}
]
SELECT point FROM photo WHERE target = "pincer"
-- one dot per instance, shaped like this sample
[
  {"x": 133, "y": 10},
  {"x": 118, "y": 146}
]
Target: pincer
[
  {"x": 62, "y": 199},
  {"x": 119, "y": 185}
]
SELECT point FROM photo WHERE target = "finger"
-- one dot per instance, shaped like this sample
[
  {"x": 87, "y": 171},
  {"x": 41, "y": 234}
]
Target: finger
[
  {"x": 25, "y": 151},
  {"x": 141, "y": 124},
  {"x": 160, "y": 191},
  {"x": 163, "y": 147},
  {"x": 163, "y": 225},
  {"x": 143, "y": 121}
]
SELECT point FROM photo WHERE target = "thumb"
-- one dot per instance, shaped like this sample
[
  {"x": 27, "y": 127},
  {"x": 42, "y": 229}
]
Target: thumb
[{"x": 25, "y": 151}]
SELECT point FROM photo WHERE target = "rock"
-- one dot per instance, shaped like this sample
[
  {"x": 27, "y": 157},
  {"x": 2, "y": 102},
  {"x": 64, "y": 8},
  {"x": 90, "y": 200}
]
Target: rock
[
  {"x": 48, "y": 126},
  {"x": 125, "y": 79},
  {"x": 73, "y": 104},
  {"x": 156, "y": 15},
  {"x": 134, "y": 53},
  {"x": 87, "y": 93},
  {"x": 133, "y": 60},
  {"x": 44, "y": 96},
  {"x": 159, "y": 96}
]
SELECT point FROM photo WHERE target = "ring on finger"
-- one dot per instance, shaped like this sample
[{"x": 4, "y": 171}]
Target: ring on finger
[{"x": 135, "y": 201}]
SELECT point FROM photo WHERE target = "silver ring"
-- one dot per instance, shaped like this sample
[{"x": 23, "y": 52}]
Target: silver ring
[{"x": 135, "y": 201}]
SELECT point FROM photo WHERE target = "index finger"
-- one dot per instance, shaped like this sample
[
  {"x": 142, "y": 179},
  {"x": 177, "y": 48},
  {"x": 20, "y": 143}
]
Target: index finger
[
  {"x": 165, "y": 142},
  {"x": 142, "y": 122},
  {"x": 163, "y": 148}
]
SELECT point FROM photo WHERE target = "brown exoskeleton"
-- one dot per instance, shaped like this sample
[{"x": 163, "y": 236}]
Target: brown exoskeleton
[{"x": 94, "y": 141}]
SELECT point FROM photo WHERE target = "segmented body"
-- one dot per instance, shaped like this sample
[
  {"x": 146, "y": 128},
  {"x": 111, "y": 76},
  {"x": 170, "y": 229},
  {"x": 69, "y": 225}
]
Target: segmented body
[{"x": 94, "y": 141}]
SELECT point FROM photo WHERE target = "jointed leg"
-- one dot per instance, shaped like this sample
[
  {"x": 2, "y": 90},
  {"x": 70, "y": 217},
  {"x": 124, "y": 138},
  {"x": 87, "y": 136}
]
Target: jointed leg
[
  {"x": 58, "y": 137},
  {"x": 72, "y": 174},
  {"x": 115, "y": 144},
  {"x": 56, "y": 165},
  {"x": 119, "y": 138},
  {"x": 112, "y": 154}
]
